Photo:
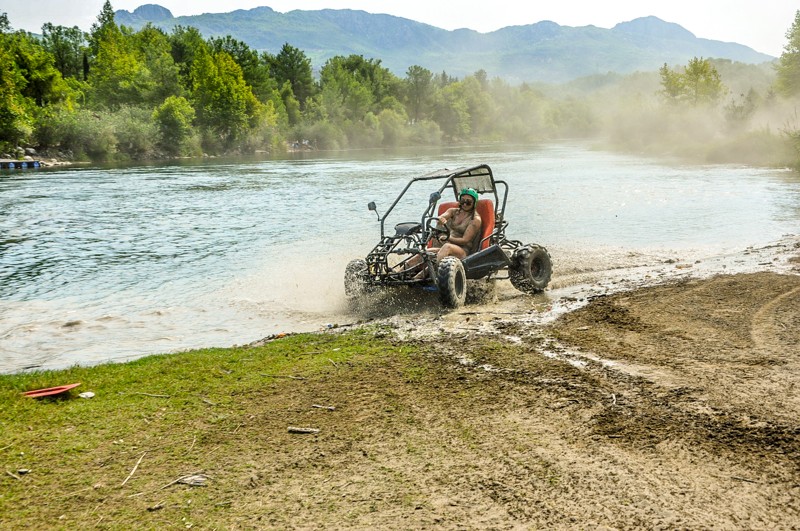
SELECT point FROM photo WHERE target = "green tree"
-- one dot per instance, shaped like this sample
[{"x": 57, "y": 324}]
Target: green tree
[
  {"x": 225, "y": 106},
  {"x": 186, "y": 42},
  {"x": 443, "y": 79},
  {"x": 419, "y": 92},
  {"x": 451, "y": 112},
  {"x": 256, "y": 73},
  {"x": 5, "y": 25},
  {"x": 344, "y": 93},
  {"x": 100, "y": 29},
  {"x": 699, "y": 83},
  {"x": 671, "y": 83},
  {"x": 291, "y": 64},
  {"x": 703, "y": 82},
  {"x": 43, "y": 83},
  {"x": 117, "y": 75},
  {"x": 359, "y": 86},
  {"x": 14, "y": 116},
  {"x": 66, "y": 46},
  {"x": 291, "y": 104},
  {"x": 787, "y": 68},
  {"x": 480, "y": 104},
  {"x": 174, "y": 120},
  {"x": 160, "y": 76}
]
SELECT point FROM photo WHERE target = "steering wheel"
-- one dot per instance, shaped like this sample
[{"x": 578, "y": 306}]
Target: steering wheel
[{"x": 438, "y": 229}]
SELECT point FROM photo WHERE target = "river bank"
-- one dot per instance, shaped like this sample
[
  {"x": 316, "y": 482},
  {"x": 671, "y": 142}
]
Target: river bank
[{"x": 669, "y": 404}]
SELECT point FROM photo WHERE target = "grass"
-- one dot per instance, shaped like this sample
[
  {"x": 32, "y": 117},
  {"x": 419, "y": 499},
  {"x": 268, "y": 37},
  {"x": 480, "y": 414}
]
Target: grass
[{"x": 161, "y": 416}]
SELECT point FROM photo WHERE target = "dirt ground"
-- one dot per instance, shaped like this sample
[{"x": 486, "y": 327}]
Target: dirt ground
[
  {"x": 645, "y": 393},
  {"x": 673, "y": 405}
]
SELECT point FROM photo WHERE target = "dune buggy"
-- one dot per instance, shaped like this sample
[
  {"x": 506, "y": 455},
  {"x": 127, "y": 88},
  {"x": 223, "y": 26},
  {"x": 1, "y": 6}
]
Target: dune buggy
[{"x": 393, "y": 263}]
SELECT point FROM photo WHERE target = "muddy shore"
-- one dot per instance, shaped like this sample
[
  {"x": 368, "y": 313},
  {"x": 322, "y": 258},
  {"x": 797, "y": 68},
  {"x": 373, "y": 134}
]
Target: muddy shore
[
  {"x": 658, "y": 395},
  {"x": 667, "y": 399}
]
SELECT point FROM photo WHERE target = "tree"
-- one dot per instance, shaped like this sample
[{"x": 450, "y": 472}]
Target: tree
[
  {"x": 5, "y": 25},
  {"x": 66, "y": 46},
  {"x": 174, "y": 119},
  {"x": 419, "y": 91},
  {"x": 443, "y": 79},
  {"x": 480, "y": 105},
  {"x": 15, "y": 119},
  {"x": 291, "y": 64},
  {"x": 255, "y": 72},
  {"x": 671, "y": 83},
  {"x": 100, "y": 29},
  {"x": 703, "y": 82},
  {"x": 160, "y": 74},
  {"x": 787, "y": 82},
  {"x": 344, "y": 92},
  {"x": 291, "y": 104},
  {"x": 43, "y": 83},
  {"x": 360, "y": 86},
  {"x": 117, "y": 74},
  {"x": 699, "y": 83},
  {"x": 185, "y": 44},
  {"x": 223, "y": 101},
  {"x": 451, "y": 112}
]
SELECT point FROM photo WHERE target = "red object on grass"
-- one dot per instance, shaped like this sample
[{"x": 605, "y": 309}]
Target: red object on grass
[{"x": 50, "y": 391}]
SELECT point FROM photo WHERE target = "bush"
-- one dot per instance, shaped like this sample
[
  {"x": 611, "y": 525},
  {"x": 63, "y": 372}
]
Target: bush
[
  {"x": 322, "y": 135},
  {"x": 424, "y": 133},
  {"x": 173, "y": 118},
  {"x": 364, "y": 134},
  {"x": 86, "y": 133},
  {"x": 135, "y": 132},
  {"x": 393, "y": 128}
]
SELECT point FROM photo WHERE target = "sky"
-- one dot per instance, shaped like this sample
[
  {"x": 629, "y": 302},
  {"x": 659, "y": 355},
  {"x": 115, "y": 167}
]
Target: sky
[{"x": 759, "y": 24}]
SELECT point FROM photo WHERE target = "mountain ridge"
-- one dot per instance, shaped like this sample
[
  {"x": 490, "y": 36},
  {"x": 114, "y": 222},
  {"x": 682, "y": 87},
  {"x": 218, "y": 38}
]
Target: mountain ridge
[{"x": 540, "y": 52}]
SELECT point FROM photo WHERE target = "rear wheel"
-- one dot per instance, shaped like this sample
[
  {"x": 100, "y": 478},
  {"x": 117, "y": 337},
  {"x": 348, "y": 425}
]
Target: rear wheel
[
  {"x": 354, "y": 279},
  {"x": 531, "y": 268},
  {"x": 452, "y": 282}
]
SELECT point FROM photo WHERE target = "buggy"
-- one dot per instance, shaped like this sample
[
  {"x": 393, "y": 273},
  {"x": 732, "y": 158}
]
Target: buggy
[{"x": 393, "y": 263}]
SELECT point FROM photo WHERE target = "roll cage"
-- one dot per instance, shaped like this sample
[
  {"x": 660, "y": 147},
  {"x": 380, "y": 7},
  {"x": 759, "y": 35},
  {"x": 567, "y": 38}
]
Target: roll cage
[
  {"x": 479, "y": 178},
  {"x": 410, "y": 238}
]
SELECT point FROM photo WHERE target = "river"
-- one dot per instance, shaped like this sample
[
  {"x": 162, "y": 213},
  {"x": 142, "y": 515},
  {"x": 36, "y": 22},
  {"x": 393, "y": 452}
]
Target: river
[{"x": 103, "y": 264}]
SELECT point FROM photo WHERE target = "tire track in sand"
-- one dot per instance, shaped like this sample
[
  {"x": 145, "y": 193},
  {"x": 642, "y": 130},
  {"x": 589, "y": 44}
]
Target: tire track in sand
[{"x": 768, "y": 323}]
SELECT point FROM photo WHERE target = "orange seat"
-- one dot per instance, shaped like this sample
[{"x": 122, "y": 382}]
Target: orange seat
[{"x": 485, "y": 209}]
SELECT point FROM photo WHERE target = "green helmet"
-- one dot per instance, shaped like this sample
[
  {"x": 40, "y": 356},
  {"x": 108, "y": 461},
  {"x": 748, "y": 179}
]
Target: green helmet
[{"x": 470, "y": 192}]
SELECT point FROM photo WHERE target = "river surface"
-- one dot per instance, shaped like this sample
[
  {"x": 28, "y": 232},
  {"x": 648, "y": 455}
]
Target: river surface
[{"x": 108, "y": 264}]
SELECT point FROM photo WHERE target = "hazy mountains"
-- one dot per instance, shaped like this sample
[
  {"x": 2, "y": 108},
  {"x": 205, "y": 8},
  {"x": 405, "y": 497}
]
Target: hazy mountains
[{"x": 544, "y": 51}]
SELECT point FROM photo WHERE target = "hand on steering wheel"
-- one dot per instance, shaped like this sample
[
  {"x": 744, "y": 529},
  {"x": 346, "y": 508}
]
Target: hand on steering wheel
[{"x": 438, "y": 230}]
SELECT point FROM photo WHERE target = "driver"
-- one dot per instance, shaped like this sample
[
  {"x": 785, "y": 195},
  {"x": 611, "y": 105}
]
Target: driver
[{"x": 464, "y": 224}]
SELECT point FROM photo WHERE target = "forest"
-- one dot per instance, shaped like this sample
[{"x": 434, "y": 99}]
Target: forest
[{"x": 114, "y": 94}]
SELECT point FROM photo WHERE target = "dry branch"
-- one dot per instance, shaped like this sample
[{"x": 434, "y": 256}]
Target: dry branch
[
  {"x": 195, "y": 480},
  {"x": 295, "y": 429},
  {"x": 134, "y": 469}
]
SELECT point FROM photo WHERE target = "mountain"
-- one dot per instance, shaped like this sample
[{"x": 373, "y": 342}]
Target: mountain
[{"x": 544, "y": 51}]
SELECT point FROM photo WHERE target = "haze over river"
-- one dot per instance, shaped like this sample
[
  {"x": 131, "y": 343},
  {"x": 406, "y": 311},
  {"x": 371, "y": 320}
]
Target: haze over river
[{"x": 110, "y": 264}]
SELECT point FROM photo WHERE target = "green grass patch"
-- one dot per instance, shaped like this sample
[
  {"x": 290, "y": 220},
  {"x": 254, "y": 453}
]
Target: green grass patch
[{"x": 176, "y": 408}]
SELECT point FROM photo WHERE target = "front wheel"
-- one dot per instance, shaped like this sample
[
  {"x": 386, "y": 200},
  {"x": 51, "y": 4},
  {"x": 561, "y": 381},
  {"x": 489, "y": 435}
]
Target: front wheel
[
  {"x": 530, "y": 269},
  {"x": 354, "y": 279},
  {"x": 452, "y": 282}
]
